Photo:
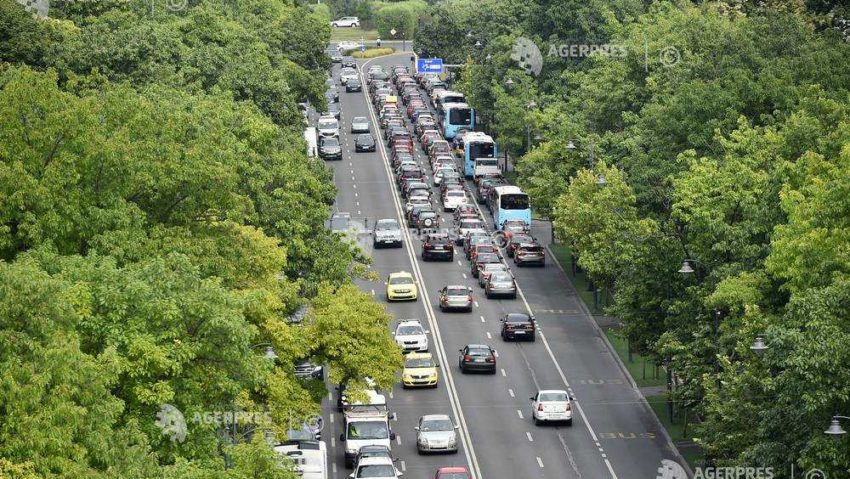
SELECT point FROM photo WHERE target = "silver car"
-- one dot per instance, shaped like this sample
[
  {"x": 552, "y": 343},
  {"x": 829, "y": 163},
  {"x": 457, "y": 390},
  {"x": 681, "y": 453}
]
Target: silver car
[
  {"x": 456, "y": 297},
  {"x": 489, "y": 269},
  {"x": 387, "y": 232},
  {"x": 359, "y": 124},
  {"x": 436, "y": 433},
  {"x": 500, "y": 284}
]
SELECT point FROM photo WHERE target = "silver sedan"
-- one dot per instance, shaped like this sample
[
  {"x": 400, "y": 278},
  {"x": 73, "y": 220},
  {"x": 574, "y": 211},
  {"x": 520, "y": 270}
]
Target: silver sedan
[
  {"x": 436, "y": 433},
  {"x": 500, "y": 284}
]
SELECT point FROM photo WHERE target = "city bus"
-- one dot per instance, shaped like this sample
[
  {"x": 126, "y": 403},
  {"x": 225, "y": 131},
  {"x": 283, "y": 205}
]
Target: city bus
[
  {"x": 479, "y": 155},
  {"x": 454, "y": 116},
  {"x": 508, "y": 203}
]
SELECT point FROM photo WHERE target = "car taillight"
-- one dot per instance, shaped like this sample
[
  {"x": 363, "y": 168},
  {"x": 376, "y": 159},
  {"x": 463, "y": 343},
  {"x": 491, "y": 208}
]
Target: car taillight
[
  {"x": 540, "y": 407},
  {"x": 427, "y": 245},
  {"x": 467, "y": 357},
  {"x": 491, "y": 359},
  {"x": 567, "y": 408},
  {"x": 469, "y": 298}
]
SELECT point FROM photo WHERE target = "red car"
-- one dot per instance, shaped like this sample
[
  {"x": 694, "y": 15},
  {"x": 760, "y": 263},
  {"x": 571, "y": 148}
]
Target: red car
[{"x": 454, "y": 472}]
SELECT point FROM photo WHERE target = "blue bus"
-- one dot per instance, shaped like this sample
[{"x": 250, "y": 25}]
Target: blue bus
[
  {"x": 454, "y": 116},
  {"x": 509, "y": 203},
  {"x": 477, "y": 145}
]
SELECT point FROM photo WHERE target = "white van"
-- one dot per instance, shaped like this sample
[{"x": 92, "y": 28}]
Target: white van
[{"x": 310, "y": 457}]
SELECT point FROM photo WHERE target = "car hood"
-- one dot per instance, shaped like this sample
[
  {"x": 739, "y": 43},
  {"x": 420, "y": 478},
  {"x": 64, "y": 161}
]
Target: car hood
[{"x": 438, "y": 435}]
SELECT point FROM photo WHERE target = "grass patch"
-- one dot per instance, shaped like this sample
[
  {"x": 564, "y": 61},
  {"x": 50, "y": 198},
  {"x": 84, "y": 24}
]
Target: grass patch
[
  {"x": 373, "y": 52},
  {"x": 694, "y": 456},
  {"x": 642, "y": 369},
  {"x": 352, "y": 34},
  {"x": 595, "y": 302}
]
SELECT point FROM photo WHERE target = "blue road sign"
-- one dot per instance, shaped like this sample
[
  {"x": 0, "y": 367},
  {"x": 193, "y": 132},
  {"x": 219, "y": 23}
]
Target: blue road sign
[{"x": 429, "y": 65}]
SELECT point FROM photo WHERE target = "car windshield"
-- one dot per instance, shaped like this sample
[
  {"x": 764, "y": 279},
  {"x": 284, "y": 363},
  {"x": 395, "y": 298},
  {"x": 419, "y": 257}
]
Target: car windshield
[
  {"x": 385, "y": 225},
  {"x": 419, "y": 363},
  {"x": 368, "y": 430},
  {"x": 409, "y": 330},
  {"x": 401, "y": 280},
  {"x": 556, "y": 396},
  {"x": 376, "y": 470},
  {"x": 436, "y": 425}
]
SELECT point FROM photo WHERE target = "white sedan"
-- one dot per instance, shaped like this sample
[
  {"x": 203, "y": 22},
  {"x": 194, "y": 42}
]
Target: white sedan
[{"x": 552, "y": 405}]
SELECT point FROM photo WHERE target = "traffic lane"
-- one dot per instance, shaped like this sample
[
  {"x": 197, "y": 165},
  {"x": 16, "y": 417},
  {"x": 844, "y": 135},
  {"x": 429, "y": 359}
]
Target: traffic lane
[{"x": 497, "y": 407}]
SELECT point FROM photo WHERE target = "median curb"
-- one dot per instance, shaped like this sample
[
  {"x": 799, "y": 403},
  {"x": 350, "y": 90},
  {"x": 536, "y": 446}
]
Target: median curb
[{"x": 623, "y": 368}]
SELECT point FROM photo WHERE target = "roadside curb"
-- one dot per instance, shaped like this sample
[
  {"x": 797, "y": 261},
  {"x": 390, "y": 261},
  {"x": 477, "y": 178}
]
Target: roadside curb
[{"x": 670, "y": 444}]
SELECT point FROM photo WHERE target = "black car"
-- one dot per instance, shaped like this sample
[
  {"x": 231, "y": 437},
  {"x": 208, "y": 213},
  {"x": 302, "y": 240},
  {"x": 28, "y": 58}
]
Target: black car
[
  {"x": 439, "y": 246},
  {"x": 330, "y": 149},
  {"x": 348, "y": 62},
  {"x": 353, "y": 84},
  {"x": 364, "y": 142},
  {"x": 518, "y": 326},
  {"x": 477, "y": 357}
]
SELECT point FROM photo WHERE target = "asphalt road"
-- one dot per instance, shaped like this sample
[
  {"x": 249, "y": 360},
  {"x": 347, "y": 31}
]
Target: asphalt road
[{"x": 613, "y": 435}]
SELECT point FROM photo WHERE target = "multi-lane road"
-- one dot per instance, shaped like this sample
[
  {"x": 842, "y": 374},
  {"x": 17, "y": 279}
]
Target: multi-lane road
[{"x": 614, "y": 434}]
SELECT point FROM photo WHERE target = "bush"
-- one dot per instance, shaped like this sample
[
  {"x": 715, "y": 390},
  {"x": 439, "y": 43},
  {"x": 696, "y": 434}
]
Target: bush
[
  {"x": 373, "y": 52},
  {"x": 322, "y": 10}
]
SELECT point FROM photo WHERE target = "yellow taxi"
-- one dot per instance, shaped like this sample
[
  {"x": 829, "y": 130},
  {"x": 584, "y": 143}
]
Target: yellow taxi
[
  {"x": 420, "y": 370},
  {"x": 401, "y": 286}
]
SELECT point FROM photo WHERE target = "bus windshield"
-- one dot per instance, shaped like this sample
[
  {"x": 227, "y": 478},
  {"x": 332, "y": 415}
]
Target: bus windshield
[
  {"x": 481, "y": 150},
  {"x": 514, "y": 202},
  {"x": 460, "y": 116}
]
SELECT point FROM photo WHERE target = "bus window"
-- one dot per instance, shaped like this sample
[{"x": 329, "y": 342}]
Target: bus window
[
  {"x": 460, "y": 116},
  {"x": 514, "y": 202},
  {"x": 481, "y": 150}
]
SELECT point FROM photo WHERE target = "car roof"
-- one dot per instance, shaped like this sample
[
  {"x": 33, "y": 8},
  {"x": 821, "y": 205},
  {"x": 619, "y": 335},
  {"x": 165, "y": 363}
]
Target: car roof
[
  {"x": 375, "y": 461},
  {"x": 458, "y": 286},
  {"x": 409, "y": 322}
]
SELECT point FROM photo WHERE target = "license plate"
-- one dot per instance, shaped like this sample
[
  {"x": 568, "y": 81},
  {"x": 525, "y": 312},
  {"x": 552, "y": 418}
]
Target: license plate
[
  {"x": 478, "y": 360},
  {"x": 519, "y": 332},
  {"x": 439, "y": 247}
]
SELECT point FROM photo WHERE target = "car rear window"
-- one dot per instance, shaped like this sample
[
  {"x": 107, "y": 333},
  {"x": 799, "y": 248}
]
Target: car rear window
[
  {"x": 553, "y": 397},
  {"x": 457, "y": 291},
  {"x": 488, "y": 258},
  {"x": 479, "y": 352},
  {"x": 470, "y": 223},
  {"x": 532, "y": 249},
  {"x": 455, "y": 193}
]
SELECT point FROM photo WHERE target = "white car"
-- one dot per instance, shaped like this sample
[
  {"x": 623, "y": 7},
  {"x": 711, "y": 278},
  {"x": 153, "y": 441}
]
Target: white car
[
  {"x": 386, "y": 232},
  {"x": 411, "y": 336},
  {"x": 381, "y": 467},
  {"x": 347, "y": 45},
  {"x": 440, "y": 171},
  {"x": 328, "y": 126},
  {"x": 552, "y": 405},
  {"x": 453, "y": 199},
  {"x": 346, "y": 74},
  {"x": 346, "y": 22}
]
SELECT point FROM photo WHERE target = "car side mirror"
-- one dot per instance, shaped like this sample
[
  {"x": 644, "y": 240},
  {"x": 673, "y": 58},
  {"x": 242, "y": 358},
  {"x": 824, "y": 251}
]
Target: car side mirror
[
  {"x": 415, "y": 428},
  {"x": 531, "y": 398},
  {"x": 351, "y": 475},
  {"x": 392, "y": 436},
  {"x": 342, "y": 438},
  {"x": 436, "y": 365},
  {"x": 572, "y": 398},
  {"x": 457, "y": 427}
]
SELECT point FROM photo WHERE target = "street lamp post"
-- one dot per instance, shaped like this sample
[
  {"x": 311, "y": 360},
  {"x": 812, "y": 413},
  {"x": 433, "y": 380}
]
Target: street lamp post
[
  {"x": 591, "y": 161},
  {"x": 530, "y": 106}
]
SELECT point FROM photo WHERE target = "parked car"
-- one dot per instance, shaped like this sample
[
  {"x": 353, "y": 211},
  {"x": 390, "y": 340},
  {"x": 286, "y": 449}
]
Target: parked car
[
  {"x": 517, "y": 326},
  {"x": 305, "y": 369},
  {"x": 551, "y": 405},
  {"x": 477, "y": 357},
  {"x": 454, "y": 297}
]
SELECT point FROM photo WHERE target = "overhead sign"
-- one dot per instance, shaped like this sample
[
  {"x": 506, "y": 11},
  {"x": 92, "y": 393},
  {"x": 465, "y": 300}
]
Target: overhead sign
[{"x": 429, "y": 65}]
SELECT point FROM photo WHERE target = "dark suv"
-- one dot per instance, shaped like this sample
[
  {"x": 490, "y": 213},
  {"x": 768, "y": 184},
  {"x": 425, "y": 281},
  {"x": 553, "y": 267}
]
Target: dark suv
[
  {"x": 438, "y": 245},
  {"x": 518, "y": 326}
]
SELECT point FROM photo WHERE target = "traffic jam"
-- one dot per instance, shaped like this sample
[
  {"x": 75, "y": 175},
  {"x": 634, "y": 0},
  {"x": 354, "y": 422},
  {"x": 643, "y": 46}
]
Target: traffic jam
[{"x": 443, "y": 203}]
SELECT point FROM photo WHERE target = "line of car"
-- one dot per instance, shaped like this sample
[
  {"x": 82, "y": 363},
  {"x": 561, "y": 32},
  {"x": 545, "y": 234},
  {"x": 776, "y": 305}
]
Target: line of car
[{"x": 391, "y": 92}]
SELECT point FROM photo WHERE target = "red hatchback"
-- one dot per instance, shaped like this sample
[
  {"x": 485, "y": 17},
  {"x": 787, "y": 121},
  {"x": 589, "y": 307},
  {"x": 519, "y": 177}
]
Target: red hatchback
[{"x": 454, "y": 472}]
